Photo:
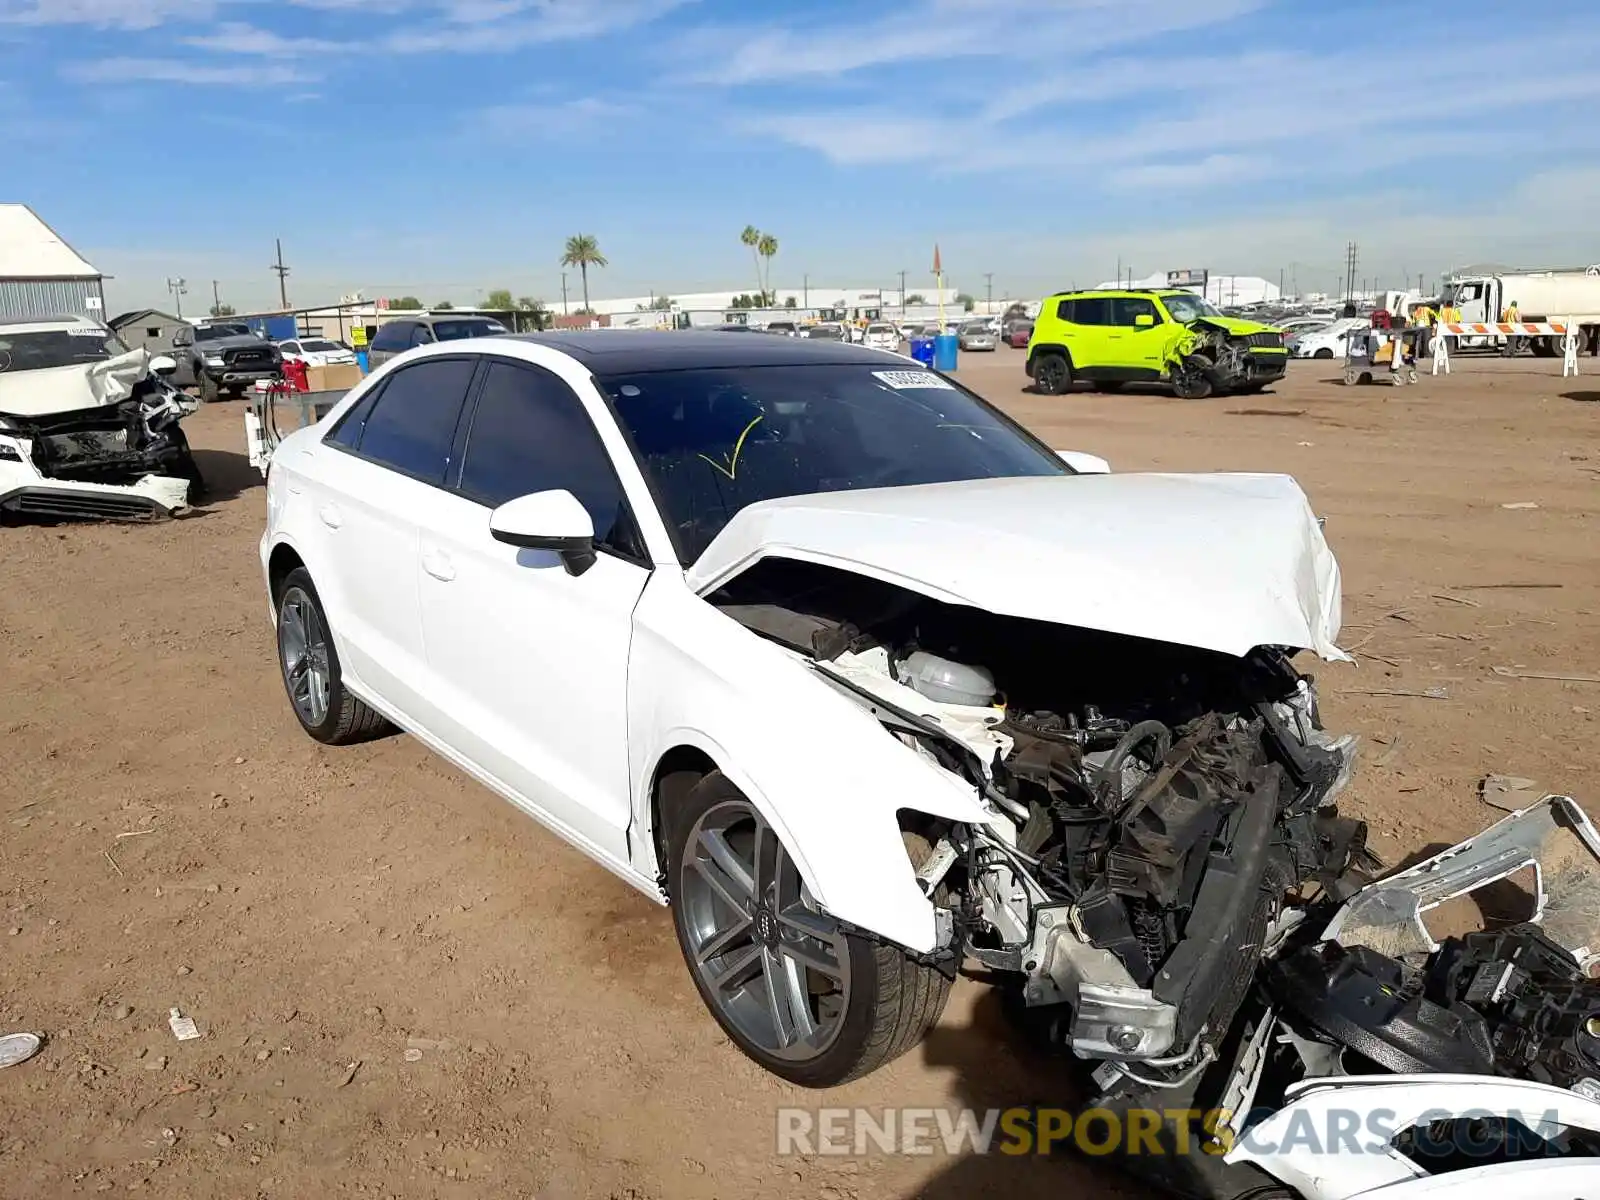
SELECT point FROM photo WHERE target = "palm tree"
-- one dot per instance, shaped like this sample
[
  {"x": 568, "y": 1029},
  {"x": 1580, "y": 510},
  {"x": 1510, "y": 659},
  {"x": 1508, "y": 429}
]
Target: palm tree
[
  {"x": 768, "y": 249},
  {"x": 752, "y": 237},
  {"x": 583, "y": 252}
]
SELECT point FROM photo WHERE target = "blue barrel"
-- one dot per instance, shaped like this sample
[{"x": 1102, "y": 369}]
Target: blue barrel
[
  {"x": 922, "y": 350},
  {"x": 944, "y": 352}
]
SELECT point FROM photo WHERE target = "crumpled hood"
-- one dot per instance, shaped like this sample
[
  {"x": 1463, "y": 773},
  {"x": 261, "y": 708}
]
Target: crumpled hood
[
  {"x": 71, "y": 389},
  {"x": 1224, "y": 562},
  {"x": 1237, "y": 326}
]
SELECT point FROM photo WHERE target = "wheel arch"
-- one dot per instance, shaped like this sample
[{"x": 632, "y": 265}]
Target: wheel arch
[
  {"x": 1035, "y": 350},
  {"x": 281, "y": 562}
]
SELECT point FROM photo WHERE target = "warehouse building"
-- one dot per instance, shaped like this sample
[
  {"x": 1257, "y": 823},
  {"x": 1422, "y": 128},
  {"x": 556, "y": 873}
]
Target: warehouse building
[
  {"x": 148, "y": 327},
  {"x": 42, "y": 276}
]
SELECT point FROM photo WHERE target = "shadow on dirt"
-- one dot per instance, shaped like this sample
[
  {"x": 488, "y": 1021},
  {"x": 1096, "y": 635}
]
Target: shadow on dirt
[
  {"x": 226, "y": 474},
  {"x": 999, "y": 1067},
  {"x": 1582, "y": 397}
]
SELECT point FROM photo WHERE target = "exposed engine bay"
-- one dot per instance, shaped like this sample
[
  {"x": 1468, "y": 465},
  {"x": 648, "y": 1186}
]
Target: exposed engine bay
[
  {"x": 1154, "y": 803},
  {"x": 125, "y": 458},
  {"x": 1214, "y": 359}
]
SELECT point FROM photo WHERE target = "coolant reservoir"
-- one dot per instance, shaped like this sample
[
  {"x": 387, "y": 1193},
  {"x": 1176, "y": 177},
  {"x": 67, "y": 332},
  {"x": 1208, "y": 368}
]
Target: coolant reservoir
[{"x": 945, "y": 681}]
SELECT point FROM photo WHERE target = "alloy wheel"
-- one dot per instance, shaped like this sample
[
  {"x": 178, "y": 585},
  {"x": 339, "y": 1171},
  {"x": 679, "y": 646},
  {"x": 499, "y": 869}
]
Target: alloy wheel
[
  {"x": 303, "y": 651},
  {"x": 776, "y": 969}
]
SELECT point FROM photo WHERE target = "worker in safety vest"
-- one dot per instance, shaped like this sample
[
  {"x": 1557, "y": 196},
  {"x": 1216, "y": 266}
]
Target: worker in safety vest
[
  {"x": 1422, "y": 319},
  {"x": 1513, "y": 343}
]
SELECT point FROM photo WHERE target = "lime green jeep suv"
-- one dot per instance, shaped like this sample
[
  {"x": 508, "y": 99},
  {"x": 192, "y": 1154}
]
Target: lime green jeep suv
[{"x": 1109, "y": 338}]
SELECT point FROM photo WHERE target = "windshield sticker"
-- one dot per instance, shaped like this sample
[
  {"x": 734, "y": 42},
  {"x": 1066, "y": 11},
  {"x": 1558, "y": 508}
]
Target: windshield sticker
[
  {"x": 902, "y": 380},
  {"x": 85, "y": 331}
]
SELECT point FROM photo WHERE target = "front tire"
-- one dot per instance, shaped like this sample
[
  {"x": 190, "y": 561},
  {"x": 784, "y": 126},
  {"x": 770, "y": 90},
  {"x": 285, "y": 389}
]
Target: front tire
[
  {"x": 309, "y": 664},
  {"x": 1323, "y": 353},
  {"x": 802, "y": 996},
  {"x": 208, "y": 388},
  {"x": 1052, "y": 374}
]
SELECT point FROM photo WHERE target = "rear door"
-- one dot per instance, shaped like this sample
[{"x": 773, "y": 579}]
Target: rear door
[
  {"x": 381, "y": 468},
  {"x": 392, "y": 338},
  {"x": 531, "y": 663},
  {"x": 1090, "y": 318}
]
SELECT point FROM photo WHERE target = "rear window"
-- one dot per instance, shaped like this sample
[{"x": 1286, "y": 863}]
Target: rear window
[{"x": 467, "y": 327}]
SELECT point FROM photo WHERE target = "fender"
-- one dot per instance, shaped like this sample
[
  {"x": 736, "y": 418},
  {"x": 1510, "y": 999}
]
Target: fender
[
  {"x": 818, "y": 766},
  {"x": 1046, "y": 348}
]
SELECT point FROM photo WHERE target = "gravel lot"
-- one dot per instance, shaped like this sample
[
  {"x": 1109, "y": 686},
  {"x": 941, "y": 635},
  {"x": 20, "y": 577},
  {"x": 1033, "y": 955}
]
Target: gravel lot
[{"x": 169, "y": 837}]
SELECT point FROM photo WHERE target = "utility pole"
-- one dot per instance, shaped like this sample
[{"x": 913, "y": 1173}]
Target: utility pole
[
  {"x": 1119, "y": 270},
  {"x": 988, "y": 292},
  {"x": 805, "y": 291},
  {"x": 1280, "y": 283},
  {"x": 564, "y": 310},
  {"x": 177, "y": 288},
  {"x": 1350, "y": 260},
  {"x": 216, "y": 300},
  {"x": 902, "y": 293},
  {"x": 283, "y": 275}
]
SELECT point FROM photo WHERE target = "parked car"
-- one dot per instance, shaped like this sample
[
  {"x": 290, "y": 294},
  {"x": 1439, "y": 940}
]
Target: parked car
[
  {"x": 787, "y": 328},
  {"x": 404, "y": 333},
  {"x": 1329, "y": 341},
  {"x": 1110, "y": 337},
  {"x": 976, "y": 335},
  {"x": 88, "y": 427},
  {"x": 316, "y": 352},
  {"x": 880, "y": 335},
  {"x": 222, "y": 358},
  {"x": 827, "y": 331},
  {"x": 1017, "y": 333}
]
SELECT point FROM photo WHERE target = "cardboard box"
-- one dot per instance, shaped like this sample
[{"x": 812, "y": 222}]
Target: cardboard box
[{"x": 339, "y": 377}]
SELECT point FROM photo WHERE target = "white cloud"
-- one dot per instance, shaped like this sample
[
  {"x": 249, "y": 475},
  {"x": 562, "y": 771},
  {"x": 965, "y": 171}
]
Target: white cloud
[
  {"x": 114, "y": 14},
  {"x": 158, "y": 70},
  {"x": 234, "y": 37},
  {"x": 495, "y": 26}
]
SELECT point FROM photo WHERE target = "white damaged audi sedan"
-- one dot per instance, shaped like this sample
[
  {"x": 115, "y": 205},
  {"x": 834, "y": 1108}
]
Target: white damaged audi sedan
[{"x": 842, "y": 664}]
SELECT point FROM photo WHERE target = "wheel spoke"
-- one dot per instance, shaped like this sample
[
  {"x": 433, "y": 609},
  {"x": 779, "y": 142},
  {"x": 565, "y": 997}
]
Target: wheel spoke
[
  {"x": 766, "y": 857},
  {"x": 788, "y": 1000},
  {"x": 818, "y": 958},
  {"x": 719, "y": 943},
  {"x": 736, "y": 969},
  {"x": 722, "y": 869}
]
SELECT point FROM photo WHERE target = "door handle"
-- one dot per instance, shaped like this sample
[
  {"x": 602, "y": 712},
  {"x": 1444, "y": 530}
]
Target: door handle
[
  {"x": 330, "y": 516},
  {"x": 437, "y": 564}
]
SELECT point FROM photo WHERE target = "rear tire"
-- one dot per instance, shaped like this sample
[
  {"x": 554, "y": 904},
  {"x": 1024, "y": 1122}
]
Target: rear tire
[
  {"x": 208, "y": 388},
  {"x": 1052, "y": 374},
  {"x": 749, "y": 933},
  {"x": 309, "y": 664}
]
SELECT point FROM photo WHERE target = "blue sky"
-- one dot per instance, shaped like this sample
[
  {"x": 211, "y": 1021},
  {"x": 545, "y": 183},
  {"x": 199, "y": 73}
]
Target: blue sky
[{"x": 444, "y": 147}]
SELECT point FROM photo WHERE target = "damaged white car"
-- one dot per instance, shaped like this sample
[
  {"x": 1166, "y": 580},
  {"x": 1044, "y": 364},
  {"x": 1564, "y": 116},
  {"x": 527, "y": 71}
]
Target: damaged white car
[
  {"x": 849, "y": 669},
  {"x": 88, "y": 427}
]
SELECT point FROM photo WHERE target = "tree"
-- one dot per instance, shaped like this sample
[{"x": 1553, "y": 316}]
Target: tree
[
  {"x": 443, "y": 306},
  {"x": 223, "y": 310},
  {"x": 752, "y": 237},
  {"x": 535, "y": 312},
  {"x": 768, "y": 249},
  {"x": 661, "y": 304},
  {"x": 789, "y": 302},
  {"x": 966, "y": 301},
  {"x": 916, "y": 298},
  {"x": 498, "y": 299},
  {"x": 583, "y": 252},
  {"x": 406, "y": 303}
]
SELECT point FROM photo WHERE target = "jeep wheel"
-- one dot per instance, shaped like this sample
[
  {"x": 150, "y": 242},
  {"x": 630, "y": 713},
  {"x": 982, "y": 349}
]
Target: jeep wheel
[
  {"x": 1052, "y": 374},
  {"x": 801, "y": 995},
  {"x": 1190, "y": 381}
]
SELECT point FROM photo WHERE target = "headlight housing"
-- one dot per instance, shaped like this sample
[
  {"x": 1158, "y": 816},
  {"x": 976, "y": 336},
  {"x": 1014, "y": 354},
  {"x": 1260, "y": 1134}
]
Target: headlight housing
[{"x": 213, "y": 360}]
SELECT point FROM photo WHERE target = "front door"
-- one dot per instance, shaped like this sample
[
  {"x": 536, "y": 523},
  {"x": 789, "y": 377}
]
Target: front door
[
  {"x": 531, "y": 662},
  {"x": 1144, "y": 335}
]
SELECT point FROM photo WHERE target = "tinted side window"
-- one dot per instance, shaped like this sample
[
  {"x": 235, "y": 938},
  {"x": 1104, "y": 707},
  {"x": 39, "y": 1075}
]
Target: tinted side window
[
  {"x": 347, "y": 432},
  {"x": 412, "y": 425},
  {"x": 530, "y": 433},
  {"x": 1124, "y": 310},
  {"x": 1091, "y": 310},
  {"x": 393, "y": 335},
  {"x": 1064, "y": 310}
]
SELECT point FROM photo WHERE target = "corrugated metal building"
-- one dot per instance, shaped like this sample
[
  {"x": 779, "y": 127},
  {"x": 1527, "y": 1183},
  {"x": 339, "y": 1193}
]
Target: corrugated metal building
[{"x": 42, "y": 276}]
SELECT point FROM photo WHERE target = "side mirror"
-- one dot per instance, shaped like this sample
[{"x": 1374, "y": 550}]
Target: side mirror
[
  {"x": 181, "y": 339},
  {"x": 1085, "y": 464},
  {"x": 163, "y": 364},
  {"x": 1143, "y": 321},
  {"x": 553, "y": 521}
]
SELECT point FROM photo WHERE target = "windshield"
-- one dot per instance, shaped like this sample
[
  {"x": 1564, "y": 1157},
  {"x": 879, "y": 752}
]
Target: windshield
[
  {"x": 319, "y": 346},
  {"x": 208, "y": 333},
  {"x": 38, "y": 349},
  {"x": 713, "y": 441},
  {"x": 453, "y": 331},
  {"x": 1187, "y": 307},
  {"x": 880, "y": 329}
]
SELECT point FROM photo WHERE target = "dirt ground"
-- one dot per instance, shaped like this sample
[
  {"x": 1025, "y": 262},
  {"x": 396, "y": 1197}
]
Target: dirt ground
[{"x": 168, "y": 837}]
